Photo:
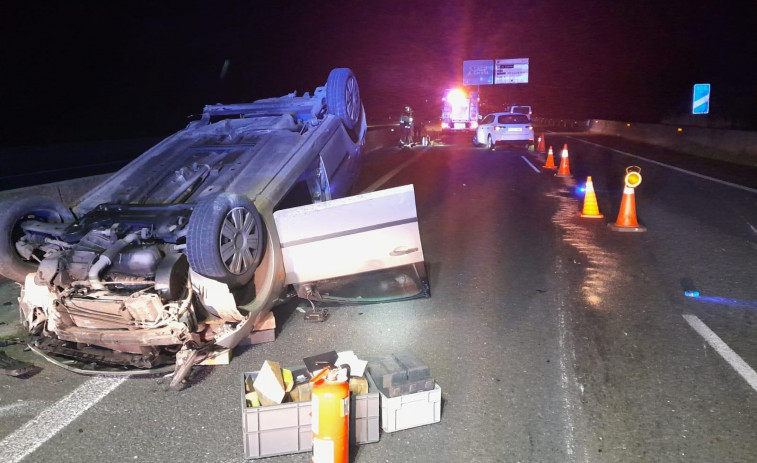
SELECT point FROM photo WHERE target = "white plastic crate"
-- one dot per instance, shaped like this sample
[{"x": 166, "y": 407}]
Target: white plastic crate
[
  {"x": 286, "y": 428},
  {"x": 410, "y": 410}
]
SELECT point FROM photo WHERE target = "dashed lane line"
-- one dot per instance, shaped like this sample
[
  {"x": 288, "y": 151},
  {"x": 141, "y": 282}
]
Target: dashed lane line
[
  {"x": 29, "y": 437},
  {"x": 532, "y": 166},
  {"x": 733, "y": 359},
  {"x": 380, "y": 182}
]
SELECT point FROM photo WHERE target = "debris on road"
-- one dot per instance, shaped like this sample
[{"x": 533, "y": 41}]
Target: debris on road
[
  {"x": 221, "y": 357},
  {"x": 263, "y": 331},
  {"x": 12, "y": 367}
]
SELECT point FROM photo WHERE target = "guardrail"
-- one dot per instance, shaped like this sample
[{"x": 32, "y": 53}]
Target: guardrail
[{"x": 552, "y": 122}]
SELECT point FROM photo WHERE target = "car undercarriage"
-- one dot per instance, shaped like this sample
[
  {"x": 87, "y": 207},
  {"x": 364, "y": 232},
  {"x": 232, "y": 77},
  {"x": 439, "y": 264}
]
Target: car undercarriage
[{"x": 152, "y": 266}]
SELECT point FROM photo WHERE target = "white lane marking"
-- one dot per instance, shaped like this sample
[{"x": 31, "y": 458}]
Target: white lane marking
[
  {"x": 378, "y": 183},
  {"x": 722, "y": 348},
  {"x": 717, "y": 180},
  {"x": 40, "y": 429},
  {"x": 570, "y": 406},
  {"x": 564, "y": 383},
  {"x": 754, "y": 230},
  {"x": 532, "y": 166}
]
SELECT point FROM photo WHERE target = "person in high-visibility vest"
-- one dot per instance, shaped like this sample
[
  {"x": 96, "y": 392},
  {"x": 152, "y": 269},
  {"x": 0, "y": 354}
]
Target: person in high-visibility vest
[{"x": 406, "y": 126}]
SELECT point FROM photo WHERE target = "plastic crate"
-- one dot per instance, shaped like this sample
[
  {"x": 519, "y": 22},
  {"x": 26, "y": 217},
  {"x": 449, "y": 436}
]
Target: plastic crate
[
  {"x": 282, "y": 429},
  {"x": 410, "y": 410}
]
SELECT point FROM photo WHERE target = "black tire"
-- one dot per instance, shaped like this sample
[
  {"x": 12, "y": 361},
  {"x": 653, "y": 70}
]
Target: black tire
[
  {"x": 490, "y": 143},
  {"x": 343, "y": 97},
  {"x": 475, "y": 141},
  {"x": 225, "y": 239},
  {"x": 12, "y": 214}
]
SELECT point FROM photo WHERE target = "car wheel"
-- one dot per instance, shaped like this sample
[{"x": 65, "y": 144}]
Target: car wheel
[
  {"x": 475, "y": 141},
  {"x": 225, "y": 239},
  {"x": 12, "y": 214},
  {"x": 343, "y": 96},
  {"x": 490, "y": 143}
]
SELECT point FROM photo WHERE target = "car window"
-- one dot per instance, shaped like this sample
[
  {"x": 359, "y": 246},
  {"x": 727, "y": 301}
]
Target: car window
[
  {"x": 521, "y": 109},
  {"x": 513, "y": 119},
  {"x": 488, "y": 119}
]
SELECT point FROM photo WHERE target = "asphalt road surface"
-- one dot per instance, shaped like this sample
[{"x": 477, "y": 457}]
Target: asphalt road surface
[{"x": 553, "y": 338}]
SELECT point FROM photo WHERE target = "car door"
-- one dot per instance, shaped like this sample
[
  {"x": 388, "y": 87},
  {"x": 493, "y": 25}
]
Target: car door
[
  {"x": 363, "y": 248},
  {"x": 486, "y": 127}
]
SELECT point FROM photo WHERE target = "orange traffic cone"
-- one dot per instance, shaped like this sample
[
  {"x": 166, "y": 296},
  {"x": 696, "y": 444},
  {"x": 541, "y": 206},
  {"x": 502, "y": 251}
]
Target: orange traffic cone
[
  {"x": 542, "y": 145},
  {"x": 591, "y": 208},
  {"x": 564, "y": 170},
  {"x": 550, "y": 164},
  {"x": 627, "y": 215}
]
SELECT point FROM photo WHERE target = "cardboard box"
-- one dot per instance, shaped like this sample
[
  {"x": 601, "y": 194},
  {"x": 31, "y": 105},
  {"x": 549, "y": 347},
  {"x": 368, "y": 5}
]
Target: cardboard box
[{"x": 269, "y": 383}]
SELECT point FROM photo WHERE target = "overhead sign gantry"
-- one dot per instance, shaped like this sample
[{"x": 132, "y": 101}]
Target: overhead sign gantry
[{"x": 495, "y": 72}]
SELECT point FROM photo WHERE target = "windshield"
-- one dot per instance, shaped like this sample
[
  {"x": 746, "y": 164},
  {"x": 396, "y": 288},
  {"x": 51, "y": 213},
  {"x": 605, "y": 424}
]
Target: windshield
[{"x": 512, "y": 119}]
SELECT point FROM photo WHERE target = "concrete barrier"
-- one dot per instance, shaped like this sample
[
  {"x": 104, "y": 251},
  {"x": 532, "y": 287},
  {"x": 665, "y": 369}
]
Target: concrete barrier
[
  {"x": 737, "y": 146},
  {"x": 66, "y": 191}
]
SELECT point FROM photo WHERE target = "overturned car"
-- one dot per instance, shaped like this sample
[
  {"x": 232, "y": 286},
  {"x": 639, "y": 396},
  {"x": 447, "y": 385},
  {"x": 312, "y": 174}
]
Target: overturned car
[{"x": 179, "y": 252}]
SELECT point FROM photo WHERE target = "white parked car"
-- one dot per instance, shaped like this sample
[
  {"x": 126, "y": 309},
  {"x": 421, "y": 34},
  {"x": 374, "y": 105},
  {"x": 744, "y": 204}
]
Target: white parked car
[
  {"x": 504, "y": 128},
  {"x": 519, "y": 109}
]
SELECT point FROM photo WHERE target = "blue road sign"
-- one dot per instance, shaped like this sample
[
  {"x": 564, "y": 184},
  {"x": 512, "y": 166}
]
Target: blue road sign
[
  {"x": 478, "y": 72},
  {"x": 701, "y": 99}
]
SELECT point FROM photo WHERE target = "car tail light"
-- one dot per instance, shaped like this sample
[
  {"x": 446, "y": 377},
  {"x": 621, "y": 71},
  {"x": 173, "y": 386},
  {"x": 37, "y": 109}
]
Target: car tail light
[
  {"x": 530, "y": 127},
  {"x": 442, "y": 125},
  {"x": 498, "y": 128},
  {"x": 473, "y": 125}
]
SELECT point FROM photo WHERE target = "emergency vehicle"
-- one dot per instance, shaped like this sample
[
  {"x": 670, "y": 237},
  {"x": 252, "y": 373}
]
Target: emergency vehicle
[{"x": 459, "y": 111}]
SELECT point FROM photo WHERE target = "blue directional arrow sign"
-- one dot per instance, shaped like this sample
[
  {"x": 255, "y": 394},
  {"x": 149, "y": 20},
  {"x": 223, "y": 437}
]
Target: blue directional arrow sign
[{"x": 701, "y": 100}]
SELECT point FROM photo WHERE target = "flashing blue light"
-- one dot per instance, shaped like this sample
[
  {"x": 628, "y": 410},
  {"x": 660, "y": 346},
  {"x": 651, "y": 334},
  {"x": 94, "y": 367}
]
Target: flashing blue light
[
  {"x": 740, "y": 303},
  {"x": 691, "y": 293},
  {"x": 582, "y": 189}
]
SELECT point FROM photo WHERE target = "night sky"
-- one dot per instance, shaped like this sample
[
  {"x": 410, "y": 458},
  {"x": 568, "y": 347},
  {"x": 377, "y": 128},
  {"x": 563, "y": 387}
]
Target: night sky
[{"x": 75, "y": 71}]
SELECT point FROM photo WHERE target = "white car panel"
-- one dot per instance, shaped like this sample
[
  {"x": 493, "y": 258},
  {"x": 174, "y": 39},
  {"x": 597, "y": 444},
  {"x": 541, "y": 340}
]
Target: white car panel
[{"x": 349, "y": 236}]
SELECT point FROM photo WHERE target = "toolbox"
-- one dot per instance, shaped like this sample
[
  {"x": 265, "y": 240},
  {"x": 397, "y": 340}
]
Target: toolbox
[{"x": 282, "y": 429}]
